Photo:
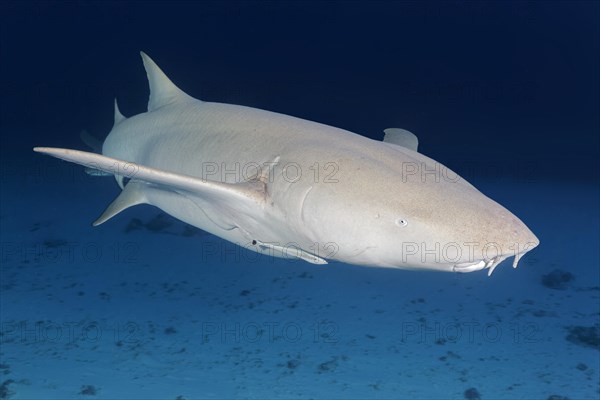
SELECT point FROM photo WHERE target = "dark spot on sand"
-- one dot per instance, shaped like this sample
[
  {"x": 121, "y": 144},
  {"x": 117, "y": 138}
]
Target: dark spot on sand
[
  {"x": 586, "y": 336},
  {"x": 293, "y": 364},
  {"x": 159, "y": 223},
  {"x": 5, "y": 392},
  {"x": 328, "y": 365},
  {"x": 88, "y": 390},
  {"x": 472, "y": 394},
  {"x": 134, "y": 225},
  {"x": 557, "y": 279},
  {"x": 449, "y": 356},
  {"x": 54, "y": 243}
]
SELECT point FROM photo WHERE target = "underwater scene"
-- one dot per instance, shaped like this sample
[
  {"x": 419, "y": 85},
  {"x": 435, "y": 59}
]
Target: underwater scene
[{"x": 299, "y": 200}]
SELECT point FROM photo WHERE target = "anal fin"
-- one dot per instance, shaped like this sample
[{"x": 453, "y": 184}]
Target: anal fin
[{"x": 96, "y": 172}]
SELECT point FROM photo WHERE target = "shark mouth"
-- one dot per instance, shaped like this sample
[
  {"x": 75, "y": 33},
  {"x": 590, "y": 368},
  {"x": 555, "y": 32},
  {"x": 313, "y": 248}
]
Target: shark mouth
[{"x": 491, "y": 264}]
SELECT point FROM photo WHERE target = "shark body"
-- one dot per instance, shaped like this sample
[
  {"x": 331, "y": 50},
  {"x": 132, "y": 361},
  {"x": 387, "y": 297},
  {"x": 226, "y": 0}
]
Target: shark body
[{"x": 289, "y": 187}]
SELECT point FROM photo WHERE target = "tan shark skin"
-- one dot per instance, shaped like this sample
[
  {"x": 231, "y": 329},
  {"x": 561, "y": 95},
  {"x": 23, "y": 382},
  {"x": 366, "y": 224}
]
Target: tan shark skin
[{"x": 294, "y": 188}]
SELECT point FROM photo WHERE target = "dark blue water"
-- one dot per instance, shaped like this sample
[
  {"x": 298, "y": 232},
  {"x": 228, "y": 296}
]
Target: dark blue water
[{"x": 506, "y": 94}]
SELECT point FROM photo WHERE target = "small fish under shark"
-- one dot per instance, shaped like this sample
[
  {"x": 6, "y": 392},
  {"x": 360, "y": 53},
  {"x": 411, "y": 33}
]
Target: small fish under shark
[{"x": 293, "y": 188}]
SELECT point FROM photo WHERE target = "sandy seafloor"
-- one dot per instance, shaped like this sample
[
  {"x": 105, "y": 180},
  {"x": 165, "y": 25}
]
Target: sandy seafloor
[{"x": 145, "y": 307}]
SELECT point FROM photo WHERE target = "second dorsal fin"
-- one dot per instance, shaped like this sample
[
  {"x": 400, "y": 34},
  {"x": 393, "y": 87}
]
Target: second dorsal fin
[
  {"x": 118, "y": 116},
  {"x": 401, "y": 137}
]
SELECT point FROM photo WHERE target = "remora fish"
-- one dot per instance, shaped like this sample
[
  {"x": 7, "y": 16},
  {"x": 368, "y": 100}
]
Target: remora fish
[{"x": 290, "y": 187}]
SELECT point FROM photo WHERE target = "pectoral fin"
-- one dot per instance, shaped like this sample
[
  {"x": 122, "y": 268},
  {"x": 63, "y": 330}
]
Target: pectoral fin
[{"x": 241, "y": 197}]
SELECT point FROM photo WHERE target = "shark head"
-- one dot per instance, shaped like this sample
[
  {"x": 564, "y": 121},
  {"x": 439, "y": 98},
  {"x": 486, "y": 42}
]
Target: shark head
[{"x": 408, "y": 211}]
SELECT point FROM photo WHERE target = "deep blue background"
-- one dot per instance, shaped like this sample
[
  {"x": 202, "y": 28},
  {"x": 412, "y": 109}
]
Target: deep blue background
[{"x": 507, "y": 88}]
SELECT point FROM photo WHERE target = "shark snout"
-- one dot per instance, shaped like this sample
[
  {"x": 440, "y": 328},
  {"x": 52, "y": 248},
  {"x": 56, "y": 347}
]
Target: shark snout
[
  {"x": 525, "y": 242},
  {"x": 506, "y": 237},
  {"x": 523, "y": 239}
]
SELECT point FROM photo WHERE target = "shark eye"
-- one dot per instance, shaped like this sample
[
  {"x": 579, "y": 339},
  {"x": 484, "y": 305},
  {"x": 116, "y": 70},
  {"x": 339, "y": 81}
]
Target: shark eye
[{"x": 401, "y": 222}]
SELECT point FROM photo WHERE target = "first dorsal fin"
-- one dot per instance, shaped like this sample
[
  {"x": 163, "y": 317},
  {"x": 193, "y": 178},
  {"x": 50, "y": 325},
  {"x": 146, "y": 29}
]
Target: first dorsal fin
[
  {"x": 401, "y": 137},
  {"x": 162, "y": 90}
]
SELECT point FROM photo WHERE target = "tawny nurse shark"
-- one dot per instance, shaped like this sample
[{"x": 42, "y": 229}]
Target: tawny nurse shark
[{"x": 294, "y": 188}]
